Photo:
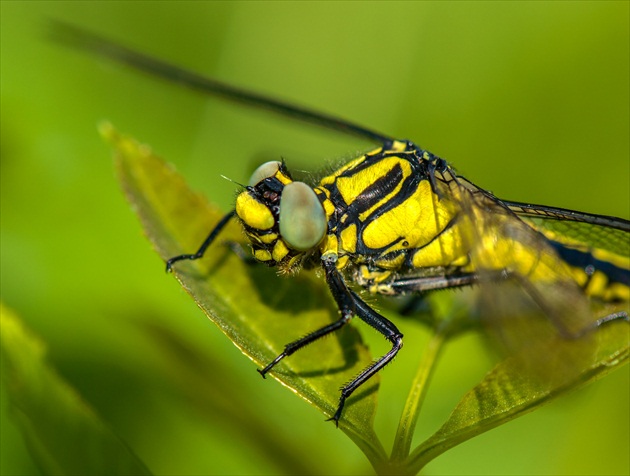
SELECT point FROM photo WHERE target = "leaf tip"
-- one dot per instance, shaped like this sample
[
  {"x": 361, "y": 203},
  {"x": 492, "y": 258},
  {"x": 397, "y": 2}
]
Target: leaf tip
[{"x": 123, "y": 145}]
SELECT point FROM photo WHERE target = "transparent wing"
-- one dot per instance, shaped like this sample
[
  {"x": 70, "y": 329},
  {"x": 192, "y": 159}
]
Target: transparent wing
[
  {"x": 593, "y": 231},
  {"x": 530, "y": 298}
]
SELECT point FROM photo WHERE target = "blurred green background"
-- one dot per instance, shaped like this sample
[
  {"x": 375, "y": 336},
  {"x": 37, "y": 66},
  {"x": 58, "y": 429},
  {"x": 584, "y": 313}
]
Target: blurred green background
[{"x": 527, "y": 99}]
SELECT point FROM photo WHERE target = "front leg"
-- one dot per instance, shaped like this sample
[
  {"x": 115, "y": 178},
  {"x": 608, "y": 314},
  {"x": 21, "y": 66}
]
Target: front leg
[
  {"x": 346, "y": 307},
  {"x": 349, "y": 302}
]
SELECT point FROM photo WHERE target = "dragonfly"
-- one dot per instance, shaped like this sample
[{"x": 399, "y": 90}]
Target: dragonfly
[{"x": 399, "y": 220}]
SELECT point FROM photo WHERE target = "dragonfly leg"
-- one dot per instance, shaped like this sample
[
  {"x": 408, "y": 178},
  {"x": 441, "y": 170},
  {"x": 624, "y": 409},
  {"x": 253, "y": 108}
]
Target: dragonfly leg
[
  {"x": 614, "y": 317},
  {"x": 389, "y": 331},
  {"x": 346, "y": 308},
  {"x": 349, "y": 304},
  {"x": 306, "y": 340},
  {"x": 428, "y": 283},
  {"x": 239, "y": 250},
  {"x": 554, "y": 314},
  {"x": 204, "y": 246}
]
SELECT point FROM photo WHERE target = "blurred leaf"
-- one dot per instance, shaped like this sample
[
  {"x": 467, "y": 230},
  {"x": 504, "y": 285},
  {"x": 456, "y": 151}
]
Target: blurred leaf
[
  {"x": 196, "y": 371},
  {"x": 506, "y": 393},
  {"x": 63, "y": 434},
  {"x": 259, "y": 311}
]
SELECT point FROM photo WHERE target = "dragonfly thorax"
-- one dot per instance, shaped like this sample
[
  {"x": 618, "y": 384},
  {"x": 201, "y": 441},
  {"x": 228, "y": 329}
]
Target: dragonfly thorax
[{"x": 388, "y": 214}]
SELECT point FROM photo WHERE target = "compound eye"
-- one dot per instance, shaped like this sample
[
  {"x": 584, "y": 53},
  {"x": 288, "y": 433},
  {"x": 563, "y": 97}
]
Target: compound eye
[
  {"x": 266, "y": 170},
  {"x": 302, "y": 217}
]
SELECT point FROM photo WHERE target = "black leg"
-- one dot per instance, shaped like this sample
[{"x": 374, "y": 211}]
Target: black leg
[
  {"x": 430, "y": 283},
  {"x": 243, "y": 254},
  {"x": 418, "y": 288},
  {"x": 342, "y": 295},
  {"x": 349, "y": 304},
  {"x": 391, "y": 333},
  {"x": 614, "y": 317},
  {"x": 306, "y": 340},
  {"x": 555, "y": 315},
  {"x": 204, "y": 246}
]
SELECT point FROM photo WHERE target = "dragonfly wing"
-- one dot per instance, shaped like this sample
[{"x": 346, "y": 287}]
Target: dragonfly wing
[
  {"x": 569, "y": 226},
  {"x": 529, "y": 297}
]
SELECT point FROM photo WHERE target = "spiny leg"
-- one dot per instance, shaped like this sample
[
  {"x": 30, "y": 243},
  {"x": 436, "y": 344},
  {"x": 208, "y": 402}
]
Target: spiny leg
[
  {"x": 563, "y": 330},
  {"x": 204, "y": 246},
  {"x": 430, "y": 283},
  {"x": 306, "y": 340},
  {"x": 425, "y": 284},
  {"x": 349, "y": 304},
  {"x": 341, "y": 294},
  {"x": 602, "y": 321},
  {"x": 391, "y": 333},
  {"x": 418, "y": 287},
  {"x": 242, "y": 253}
]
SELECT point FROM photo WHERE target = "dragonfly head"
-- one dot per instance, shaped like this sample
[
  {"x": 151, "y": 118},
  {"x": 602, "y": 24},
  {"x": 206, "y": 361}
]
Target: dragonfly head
[{"x": 283, "y": 219}]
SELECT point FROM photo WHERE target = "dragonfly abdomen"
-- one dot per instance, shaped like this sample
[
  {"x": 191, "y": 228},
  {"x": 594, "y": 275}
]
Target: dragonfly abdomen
[{"x": 602, "y": 275}]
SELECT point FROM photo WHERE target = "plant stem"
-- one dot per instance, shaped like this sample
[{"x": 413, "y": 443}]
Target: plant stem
[{"x": 411, "y": 411}]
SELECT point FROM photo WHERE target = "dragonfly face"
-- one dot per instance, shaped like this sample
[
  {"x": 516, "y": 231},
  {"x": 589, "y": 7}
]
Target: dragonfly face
[
  {"x": 400, "y": 220},
  {"x": 283, "y": 219}
]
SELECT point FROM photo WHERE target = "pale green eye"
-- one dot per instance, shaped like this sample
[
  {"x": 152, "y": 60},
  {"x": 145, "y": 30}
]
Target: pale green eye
[
  {"x": 302, "y": 217},
  {"x": 266, "y": 170}
]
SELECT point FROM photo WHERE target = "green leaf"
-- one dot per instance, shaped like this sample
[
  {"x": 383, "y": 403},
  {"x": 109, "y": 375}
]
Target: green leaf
[
  {"x": 507, "y": 393},
  {"x": 258, "y": 311},
  {"x": 63, "y": 434}
]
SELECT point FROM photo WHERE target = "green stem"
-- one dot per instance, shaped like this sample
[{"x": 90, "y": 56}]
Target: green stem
[{"x": 409, "y": 418}]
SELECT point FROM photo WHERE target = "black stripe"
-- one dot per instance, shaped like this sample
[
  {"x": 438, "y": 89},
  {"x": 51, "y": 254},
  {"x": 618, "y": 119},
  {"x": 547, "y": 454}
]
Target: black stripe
[
  {"x": 377, "y": 190},
  {"x": 584, "y": 259}
]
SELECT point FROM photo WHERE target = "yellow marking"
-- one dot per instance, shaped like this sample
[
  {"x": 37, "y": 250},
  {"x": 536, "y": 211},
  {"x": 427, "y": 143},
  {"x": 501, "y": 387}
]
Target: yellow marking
[
  {"x": 599, "y": 286},
  {"x": 329, "y": 208},
  {"x": 374, "y": 281},
  {"x": 268, "y": 238},
  {"x": 579, "y": 276},
  {"x": 377, "y": 276},
  {"x": 384, "y": 289},
  {"x": 391, "y": 263},
  {"x": 353, "y": 163},
  {"x": 253, "y": 213},
  {"x": 397, "y": 146},
  {"x": 446, "y": 250},
  {"x": 617, "y": 291},
  {"x": 342, "y": 262},
  {"x": 348, "y": 238},
  {"x": 354, "y": 185},
  {"x": 262, "y": 255},
  {"x": 604, "y": 255},
  {"x": 280, "y": 251},
  {"x": 597, "y": 283},
  {"x": 283, "y": 178},
  {"x": 329, "y": 247},
  {"x": 417, "y": 221},
  {"x": 363, "y": 216}
]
